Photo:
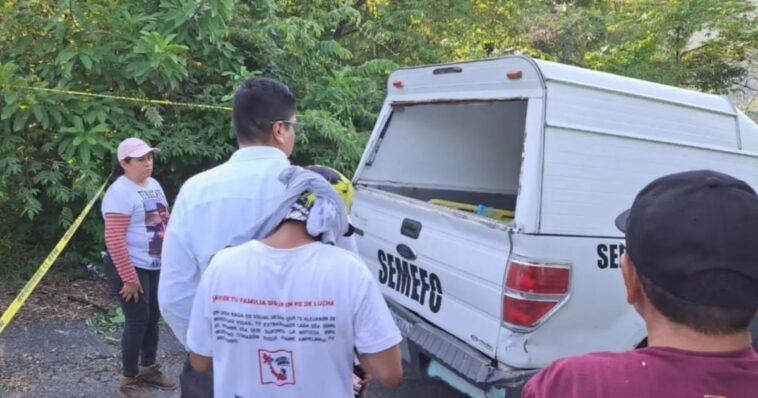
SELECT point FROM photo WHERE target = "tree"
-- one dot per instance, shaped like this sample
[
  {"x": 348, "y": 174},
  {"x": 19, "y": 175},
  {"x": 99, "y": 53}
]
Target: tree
[
  {"x": 700, "y": 44},
  {"x": 56, "y": 148}
]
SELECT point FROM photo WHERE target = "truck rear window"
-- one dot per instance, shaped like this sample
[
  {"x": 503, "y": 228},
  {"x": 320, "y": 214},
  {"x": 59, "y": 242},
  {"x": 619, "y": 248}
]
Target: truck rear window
[{"x": 461, "y": 155}]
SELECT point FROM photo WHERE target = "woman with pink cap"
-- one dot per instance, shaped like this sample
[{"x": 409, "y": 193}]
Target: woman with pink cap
[{"x": 134, "y": 236}]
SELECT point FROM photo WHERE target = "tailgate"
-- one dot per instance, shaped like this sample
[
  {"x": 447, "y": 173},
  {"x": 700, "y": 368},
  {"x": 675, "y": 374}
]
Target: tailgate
[{"x": 451, "y": 274}]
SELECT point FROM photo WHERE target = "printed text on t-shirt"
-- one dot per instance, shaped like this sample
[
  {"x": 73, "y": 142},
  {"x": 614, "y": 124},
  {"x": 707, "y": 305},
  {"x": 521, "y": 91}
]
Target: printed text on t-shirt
[
  {"x": 231, "y": 326},
  {"x": 274, "y": 303}
]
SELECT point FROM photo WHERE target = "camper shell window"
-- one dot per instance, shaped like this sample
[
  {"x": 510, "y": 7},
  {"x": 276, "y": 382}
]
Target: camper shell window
[{"x": 463, "y": 154}]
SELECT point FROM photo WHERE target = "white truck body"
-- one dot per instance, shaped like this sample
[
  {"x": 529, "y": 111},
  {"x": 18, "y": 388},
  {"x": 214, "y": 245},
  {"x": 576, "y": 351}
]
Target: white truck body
[{"x": 484, "y": 302}]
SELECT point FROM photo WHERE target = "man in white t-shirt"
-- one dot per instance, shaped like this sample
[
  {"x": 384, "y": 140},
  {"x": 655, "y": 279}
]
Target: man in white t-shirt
[
  {"x": 218, "y": 207},
  {"x": 283, "y": 316}
]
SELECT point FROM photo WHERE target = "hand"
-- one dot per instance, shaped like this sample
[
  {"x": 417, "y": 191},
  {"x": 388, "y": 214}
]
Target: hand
[
  {"x": 130, "y": 291},
  {"x": 365, "y": 383},
  {"x": 361, "y": 380}
]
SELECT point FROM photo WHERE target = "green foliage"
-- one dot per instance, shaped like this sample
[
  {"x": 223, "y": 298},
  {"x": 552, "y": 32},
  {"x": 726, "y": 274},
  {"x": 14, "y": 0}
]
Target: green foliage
[
  {"x": 55, "y": 149},
  {"x": 700, "y": 44},
  {"x": 108, "y": 324},
  {"x": 155, "y": 57}
]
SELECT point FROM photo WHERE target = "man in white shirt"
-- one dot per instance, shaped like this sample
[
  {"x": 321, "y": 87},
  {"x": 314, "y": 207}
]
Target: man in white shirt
[
  {"x": 280, "y": 317},
  {"x": 218, "y": 207}
]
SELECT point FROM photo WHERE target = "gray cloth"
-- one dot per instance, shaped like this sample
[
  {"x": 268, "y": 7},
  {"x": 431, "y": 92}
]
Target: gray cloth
[{"x": 327, "y": 220}]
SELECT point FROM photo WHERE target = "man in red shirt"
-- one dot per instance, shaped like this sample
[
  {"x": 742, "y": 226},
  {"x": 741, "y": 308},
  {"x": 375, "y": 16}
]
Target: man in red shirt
[{"x": 691, "y": 271}]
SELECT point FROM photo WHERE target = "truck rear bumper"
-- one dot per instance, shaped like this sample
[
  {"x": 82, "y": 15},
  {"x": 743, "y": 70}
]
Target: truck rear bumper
[{"x": 435, "y": 353}]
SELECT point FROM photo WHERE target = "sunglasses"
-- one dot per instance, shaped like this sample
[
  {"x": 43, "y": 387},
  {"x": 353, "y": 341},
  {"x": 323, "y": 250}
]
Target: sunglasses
[{"x": 287, "y": 122}]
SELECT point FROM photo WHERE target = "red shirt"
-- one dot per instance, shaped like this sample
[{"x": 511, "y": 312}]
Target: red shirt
[{"x": 649, "y": 372}]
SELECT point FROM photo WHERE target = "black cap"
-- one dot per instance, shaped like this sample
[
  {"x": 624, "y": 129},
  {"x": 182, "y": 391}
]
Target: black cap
[{"x": 685, "y": 225}]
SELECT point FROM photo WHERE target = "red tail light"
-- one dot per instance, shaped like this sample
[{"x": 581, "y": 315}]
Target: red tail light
[
  {"x": 532, "y": 290},
  {"x": 530, "y": 278},
  {"x": 525, "y": 312}
]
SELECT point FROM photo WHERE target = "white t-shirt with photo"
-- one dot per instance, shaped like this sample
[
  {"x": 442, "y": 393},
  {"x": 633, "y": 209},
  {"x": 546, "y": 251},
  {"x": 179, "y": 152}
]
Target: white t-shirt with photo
[
  {"x": 149, "y": 215},
  {"x": 284, "y": 322}
]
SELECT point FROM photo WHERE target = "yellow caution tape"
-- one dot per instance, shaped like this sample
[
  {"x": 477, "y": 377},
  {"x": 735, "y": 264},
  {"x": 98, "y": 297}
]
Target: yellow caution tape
[
  {"x": 45, "y": 266},
  {"x": 118, "y": 97}
]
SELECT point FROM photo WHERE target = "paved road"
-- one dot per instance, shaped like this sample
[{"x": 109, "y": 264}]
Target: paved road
[{"x": 67, "y": 359}]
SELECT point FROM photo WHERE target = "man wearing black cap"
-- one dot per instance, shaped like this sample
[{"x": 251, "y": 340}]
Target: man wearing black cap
[{"x": 691, "y": 271}]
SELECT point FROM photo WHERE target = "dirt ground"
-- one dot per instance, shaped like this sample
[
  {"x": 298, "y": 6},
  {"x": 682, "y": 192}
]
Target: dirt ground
[{"x": 49, "y": 351}]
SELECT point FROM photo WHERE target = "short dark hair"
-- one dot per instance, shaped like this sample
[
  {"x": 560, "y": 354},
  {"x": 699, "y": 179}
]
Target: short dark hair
[
  {"x": 704, "y": 319},
  {"x": 257, "y": 103}
]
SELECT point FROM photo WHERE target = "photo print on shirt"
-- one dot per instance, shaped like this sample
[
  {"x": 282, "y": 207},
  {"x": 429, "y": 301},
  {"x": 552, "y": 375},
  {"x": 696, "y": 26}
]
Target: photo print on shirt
[{"x": 156, "y": 220}]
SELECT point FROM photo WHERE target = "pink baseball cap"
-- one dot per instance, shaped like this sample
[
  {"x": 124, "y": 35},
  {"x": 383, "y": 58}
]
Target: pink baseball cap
[{"x": 134, "y": 148}]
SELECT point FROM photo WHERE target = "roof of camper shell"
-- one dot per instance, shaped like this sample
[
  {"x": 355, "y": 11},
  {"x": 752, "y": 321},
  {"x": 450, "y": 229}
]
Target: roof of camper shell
[{"x": 550, "y": 71}]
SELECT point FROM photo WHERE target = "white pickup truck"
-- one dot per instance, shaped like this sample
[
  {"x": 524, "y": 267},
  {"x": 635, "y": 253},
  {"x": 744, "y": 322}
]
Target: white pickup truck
[{"x": 485, "y": 203}]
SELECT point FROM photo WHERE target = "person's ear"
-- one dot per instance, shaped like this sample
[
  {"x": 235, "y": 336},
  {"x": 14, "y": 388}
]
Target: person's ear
[
  {"x": 123, "y": 164},
  {"x": 631, "y": 280},
  {"x": 279, "y": 134}
]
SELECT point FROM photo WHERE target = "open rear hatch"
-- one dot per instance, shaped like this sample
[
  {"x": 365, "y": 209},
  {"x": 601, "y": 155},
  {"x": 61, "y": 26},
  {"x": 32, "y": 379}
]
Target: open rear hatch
[{"x": 435, "y": 196}]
